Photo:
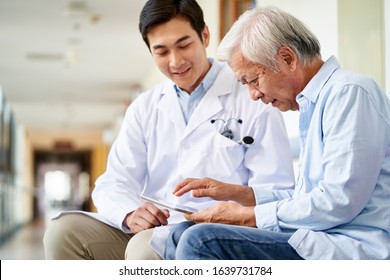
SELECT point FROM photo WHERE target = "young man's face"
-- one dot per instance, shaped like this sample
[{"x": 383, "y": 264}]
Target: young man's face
[{"x": 179, "y": 53}]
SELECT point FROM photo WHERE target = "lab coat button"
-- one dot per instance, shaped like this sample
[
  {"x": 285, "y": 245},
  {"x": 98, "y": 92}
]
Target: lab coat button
[{"x": 186, "y": 147}]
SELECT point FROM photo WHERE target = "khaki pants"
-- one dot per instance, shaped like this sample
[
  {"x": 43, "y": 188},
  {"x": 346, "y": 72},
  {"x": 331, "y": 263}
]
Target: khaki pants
[{"x": 77, "y": 236}]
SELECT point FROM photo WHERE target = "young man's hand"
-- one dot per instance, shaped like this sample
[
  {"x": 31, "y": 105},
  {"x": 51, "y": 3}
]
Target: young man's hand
[{"x": 145, "y": 217}]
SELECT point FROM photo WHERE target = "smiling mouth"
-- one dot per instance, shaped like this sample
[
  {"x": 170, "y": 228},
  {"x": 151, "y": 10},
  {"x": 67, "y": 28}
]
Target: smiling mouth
[{"x": 183, "y": 73}]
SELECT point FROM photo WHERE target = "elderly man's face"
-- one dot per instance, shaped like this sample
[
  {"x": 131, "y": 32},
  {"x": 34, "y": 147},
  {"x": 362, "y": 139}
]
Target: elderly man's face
[{"x": 272, "y": 87}]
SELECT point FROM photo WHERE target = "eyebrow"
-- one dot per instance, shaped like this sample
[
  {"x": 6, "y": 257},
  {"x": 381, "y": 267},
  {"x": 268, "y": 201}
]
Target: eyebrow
[
  {"x": 242, "y": 79},
  {"x": 178, "y": 41}
]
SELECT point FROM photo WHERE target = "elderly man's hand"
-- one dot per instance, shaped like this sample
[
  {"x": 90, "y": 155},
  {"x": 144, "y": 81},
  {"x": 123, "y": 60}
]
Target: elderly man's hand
[
  {"x": 207, "y": 187},
  {"x": 225, "y": 213}
]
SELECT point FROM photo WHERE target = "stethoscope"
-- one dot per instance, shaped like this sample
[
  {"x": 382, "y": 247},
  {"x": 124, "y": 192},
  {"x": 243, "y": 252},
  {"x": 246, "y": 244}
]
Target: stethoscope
[{"x": 227, "y": 132}]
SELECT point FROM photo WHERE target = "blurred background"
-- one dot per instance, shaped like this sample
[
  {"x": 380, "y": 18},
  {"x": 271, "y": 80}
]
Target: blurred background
[{"x": 70, "y": 68}]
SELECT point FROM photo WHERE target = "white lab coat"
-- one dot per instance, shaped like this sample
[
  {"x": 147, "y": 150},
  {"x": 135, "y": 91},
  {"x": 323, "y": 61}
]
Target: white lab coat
[{"x": 155, "y": 149}]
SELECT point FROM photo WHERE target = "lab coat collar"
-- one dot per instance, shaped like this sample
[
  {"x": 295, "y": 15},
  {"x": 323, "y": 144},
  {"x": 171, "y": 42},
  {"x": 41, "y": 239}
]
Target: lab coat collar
[{"x": 169, "y": 105}]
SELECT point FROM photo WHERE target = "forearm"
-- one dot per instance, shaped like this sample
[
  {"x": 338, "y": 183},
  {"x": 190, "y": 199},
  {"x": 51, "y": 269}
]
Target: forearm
[{"x": 243, "y": 195}]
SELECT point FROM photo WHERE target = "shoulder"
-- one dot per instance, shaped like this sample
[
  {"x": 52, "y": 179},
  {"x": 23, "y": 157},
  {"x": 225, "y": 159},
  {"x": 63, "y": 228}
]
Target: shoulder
[
  {"x": 155, "y": 92},
  {"x": 347, "y": 90},
  {"x": 152, "y": 96},
  {"x": 353, "y": 88},
  {"x": 346, "y": 81},
  {"x": 146, "y": 102}
]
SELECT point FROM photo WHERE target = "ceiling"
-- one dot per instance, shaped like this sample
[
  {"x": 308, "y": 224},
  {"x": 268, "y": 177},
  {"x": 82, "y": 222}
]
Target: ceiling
[{"x": 71, "y": 64}]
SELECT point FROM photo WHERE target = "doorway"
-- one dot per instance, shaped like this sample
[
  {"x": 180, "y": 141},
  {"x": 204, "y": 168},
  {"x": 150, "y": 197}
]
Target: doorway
[{"x": 63, "y": 182}]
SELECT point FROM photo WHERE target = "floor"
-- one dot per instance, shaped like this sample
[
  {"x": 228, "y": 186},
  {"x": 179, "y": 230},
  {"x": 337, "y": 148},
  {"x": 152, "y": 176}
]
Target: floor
[{"x": 25, "y": 244}]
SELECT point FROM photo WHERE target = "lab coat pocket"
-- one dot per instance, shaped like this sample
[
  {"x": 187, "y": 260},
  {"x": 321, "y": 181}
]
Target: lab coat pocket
[{"x": 224, "y": 157}]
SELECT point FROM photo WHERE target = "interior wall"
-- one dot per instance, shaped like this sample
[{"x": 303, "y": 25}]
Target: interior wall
[
  {"x": 361, "y": 37},
  {"x": 24, "y": 177},
  {"x": 386, "y": 8},
  {"x": 29, "y": 174},
  {"x": 211, "y": 17},
  {"x": 98, "y": 166}
]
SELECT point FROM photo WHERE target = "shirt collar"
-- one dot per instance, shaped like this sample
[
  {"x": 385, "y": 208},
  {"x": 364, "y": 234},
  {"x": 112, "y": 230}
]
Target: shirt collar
[
  {"x": 208, "y": 80},
  {"x": 314, "y": 87}
]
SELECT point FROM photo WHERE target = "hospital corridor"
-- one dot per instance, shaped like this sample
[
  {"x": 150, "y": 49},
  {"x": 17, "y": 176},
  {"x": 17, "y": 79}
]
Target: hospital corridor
[{"x": 64, "y": 186}]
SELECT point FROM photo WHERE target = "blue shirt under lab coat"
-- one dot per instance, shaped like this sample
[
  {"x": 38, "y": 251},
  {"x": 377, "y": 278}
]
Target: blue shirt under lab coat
[
  {"x": 340, "y": 208},
  {"x": 189, "y": 101}
]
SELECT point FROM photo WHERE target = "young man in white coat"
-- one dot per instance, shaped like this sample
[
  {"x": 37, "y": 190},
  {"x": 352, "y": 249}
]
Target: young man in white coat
[{"x": 190, "y": 125}]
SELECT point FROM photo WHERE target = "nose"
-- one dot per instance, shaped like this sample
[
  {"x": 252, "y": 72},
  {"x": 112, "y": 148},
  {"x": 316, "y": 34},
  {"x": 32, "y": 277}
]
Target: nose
[
  {"x": 254, "y": 93},
  {"x": 176, "y": 60}
]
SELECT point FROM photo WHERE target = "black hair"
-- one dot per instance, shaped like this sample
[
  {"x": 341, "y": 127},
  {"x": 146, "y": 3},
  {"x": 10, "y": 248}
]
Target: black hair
[{"x": 156, "y": 12}]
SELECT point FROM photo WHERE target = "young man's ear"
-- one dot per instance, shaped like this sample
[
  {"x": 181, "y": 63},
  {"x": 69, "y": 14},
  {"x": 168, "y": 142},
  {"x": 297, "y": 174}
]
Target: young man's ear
[
  {"x": 288, "y": 57},
  {"x": 206, "y": 36}
]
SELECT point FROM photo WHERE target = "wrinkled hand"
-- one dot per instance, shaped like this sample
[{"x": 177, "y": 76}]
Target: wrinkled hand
[
  {"x": 145, "y": 217},
  {"x": 230, "y": 213},
  {"x": 207, "y": 187}
]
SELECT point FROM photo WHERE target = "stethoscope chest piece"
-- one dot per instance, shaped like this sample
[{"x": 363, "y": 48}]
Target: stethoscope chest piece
[
  {"x": 247, "y": 141},
  {"x": 228, "y": 133}
]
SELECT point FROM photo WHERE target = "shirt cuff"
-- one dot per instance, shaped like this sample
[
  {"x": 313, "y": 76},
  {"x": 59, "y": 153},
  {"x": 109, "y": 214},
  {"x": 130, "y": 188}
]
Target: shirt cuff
[
  {"x": 263, "y": 195},
  {"x": 266, "y": 217}
]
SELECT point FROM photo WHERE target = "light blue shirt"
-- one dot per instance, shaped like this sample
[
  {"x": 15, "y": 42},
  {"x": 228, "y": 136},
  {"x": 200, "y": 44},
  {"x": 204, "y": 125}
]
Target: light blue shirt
[
  {"x": 189, "y": 101},
  {"x": 340, "y": 208}
]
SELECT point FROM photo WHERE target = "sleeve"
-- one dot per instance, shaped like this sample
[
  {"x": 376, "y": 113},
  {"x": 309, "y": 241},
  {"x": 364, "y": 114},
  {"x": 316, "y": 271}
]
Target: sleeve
[
  {"x": 270, "y": 163},
  {"x": 353, "y": 152},
  {"x": 116, "y": 192}
]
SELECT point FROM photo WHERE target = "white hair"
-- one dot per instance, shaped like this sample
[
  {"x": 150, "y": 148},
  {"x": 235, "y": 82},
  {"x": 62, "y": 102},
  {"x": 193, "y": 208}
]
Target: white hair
[{"x": 260, "y": 32}]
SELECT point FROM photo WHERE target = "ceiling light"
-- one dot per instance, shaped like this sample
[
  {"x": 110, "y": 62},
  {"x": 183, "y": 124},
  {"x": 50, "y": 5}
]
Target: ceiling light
[{"x": 76, "y": 9}]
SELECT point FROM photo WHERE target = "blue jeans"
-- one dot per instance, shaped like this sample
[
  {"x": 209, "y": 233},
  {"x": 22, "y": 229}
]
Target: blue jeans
[{"x": 189, "y": 241}]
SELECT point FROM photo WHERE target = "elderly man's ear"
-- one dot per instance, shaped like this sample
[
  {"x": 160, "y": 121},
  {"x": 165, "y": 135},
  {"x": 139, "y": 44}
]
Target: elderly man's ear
[{"x": 287, "y": 57}]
